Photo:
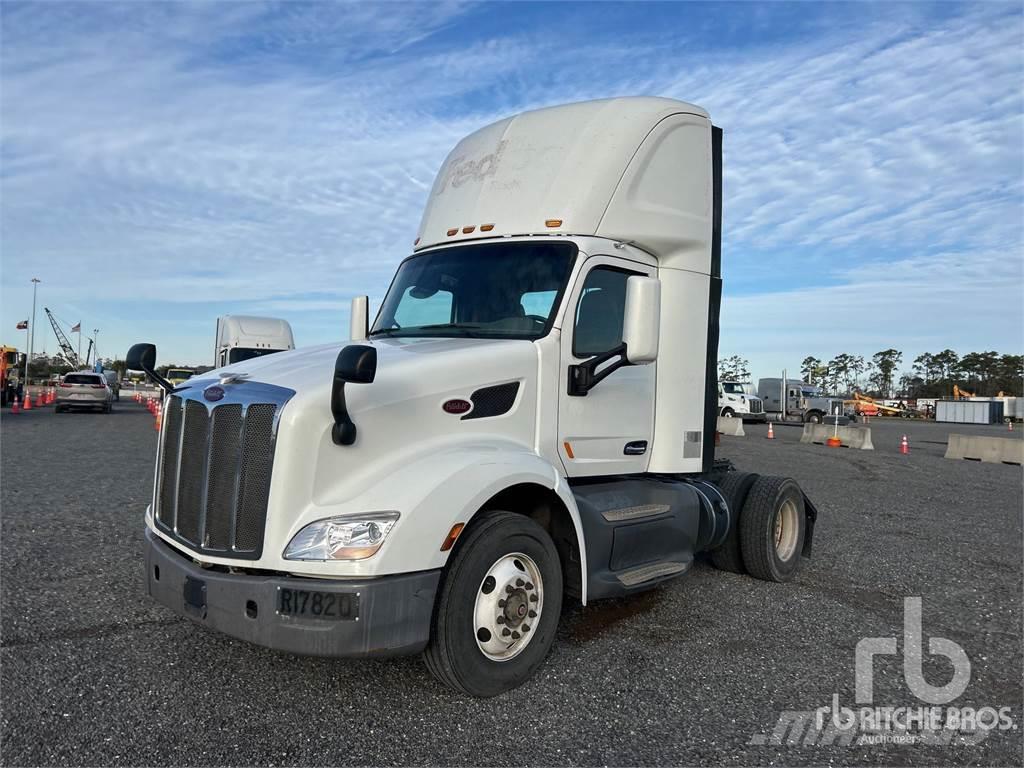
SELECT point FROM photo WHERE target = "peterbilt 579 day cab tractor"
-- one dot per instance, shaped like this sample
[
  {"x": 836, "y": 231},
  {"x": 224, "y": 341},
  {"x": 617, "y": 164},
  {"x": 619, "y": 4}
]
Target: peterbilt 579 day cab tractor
[{"x": 530, "y": 418}]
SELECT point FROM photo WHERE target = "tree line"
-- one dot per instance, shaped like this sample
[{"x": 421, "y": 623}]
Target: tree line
[{"x": 931, "y": 374}]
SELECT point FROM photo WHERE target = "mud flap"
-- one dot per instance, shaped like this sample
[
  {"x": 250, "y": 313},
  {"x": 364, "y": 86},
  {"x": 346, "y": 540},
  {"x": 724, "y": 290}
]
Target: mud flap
[{"x": 811, "y": 512}]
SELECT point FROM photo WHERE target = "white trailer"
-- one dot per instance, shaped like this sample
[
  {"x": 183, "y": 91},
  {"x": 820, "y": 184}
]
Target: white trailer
[
  {"x": 530, "y": 418},
  {"x": 243, "y": 337}
]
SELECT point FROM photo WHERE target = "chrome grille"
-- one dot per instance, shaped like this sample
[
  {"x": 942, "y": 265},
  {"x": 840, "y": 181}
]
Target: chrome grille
[
  {"x": 213, "y": 483},
  {"x": 756, "y": 406}
]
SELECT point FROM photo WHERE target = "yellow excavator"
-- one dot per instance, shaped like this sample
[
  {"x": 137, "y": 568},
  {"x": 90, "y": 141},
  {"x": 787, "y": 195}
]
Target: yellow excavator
[{"x": 962, "y": 394}]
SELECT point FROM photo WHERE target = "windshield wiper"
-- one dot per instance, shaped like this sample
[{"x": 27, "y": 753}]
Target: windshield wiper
[{"x": 435, "y": 326}]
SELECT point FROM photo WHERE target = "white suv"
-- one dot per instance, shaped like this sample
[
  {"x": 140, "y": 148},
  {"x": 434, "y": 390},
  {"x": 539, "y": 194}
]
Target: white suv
[{"x": 84, "y": 390}]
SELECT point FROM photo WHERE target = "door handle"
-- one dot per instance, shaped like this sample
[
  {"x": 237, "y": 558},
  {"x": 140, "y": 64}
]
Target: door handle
[{"x": 635, "y": 448}]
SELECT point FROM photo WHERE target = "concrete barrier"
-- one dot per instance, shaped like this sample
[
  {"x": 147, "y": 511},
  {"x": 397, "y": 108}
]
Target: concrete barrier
[
  {"x": 849, "y": 437},
  {"x": 993, "y": 450},
  {"x": 731, "y": 426}
]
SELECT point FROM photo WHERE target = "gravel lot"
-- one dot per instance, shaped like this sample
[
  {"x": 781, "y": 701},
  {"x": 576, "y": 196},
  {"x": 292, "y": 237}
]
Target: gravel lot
[{"x": 697, "y": 671}]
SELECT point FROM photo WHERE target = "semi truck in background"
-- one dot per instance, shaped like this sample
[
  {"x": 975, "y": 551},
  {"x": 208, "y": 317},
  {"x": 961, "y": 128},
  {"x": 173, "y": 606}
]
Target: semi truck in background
[
  {"x": 804, "y": 402},
  {"x": 10, "y": 371},
  {"x": 736, "y": 399},
  {"x": 531, "y": 418},
  {"x": 243, "y": 337}
]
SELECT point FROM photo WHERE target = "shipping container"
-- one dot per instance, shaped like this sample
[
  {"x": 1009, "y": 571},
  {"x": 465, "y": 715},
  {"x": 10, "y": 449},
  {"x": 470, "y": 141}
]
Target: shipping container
[{"x": 969, "y": 411}]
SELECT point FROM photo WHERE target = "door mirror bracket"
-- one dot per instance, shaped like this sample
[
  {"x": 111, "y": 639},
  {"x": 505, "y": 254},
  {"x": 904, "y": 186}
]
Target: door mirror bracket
[{"x": 584, "y": 376}]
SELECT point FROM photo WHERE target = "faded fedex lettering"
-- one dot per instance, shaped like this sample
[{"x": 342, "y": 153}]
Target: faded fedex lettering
[{"x": 462, "y": 170}]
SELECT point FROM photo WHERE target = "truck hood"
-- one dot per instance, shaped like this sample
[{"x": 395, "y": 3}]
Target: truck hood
[{"x": 409, "y": 360}]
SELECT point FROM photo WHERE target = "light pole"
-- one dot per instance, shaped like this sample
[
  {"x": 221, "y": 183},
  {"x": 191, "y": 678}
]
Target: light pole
[
  {"x": 96, "y": 344},
  {"x": 31, "y": 330}
]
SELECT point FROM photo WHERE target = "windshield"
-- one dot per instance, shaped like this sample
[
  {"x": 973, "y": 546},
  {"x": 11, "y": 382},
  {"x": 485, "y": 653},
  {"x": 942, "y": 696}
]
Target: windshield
[
  {"x": 82, "y": 378},
  {"x": 238, "y": 354},
  {"x": 733, "y": 389},
  {"x": 487, "y": 291}
]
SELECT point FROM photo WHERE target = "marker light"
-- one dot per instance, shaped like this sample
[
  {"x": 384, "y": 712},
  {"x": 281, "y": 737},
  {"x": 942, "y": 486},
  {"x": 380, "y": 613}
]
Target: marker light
[
  {"x": 486, "y": 227},
  {"x": 453, "y": 534},
  {"x": 552, "y": 222},
  {"x": 349, "y": 537},
  {"x": 467, "y": 230},
  {"x": 453, "y": 232}
]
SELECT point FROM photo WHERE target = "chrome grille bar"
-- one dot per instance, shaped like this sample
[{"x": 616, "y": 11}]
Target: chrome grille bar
[{"x": 214, "y": 470}]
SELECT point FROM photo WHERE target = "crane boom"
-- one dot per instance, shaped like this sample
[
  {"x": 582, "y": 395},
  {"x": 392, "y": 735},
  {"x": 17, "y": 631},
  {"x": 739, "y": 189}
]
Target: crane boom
[{"x": 65, "y": 345}]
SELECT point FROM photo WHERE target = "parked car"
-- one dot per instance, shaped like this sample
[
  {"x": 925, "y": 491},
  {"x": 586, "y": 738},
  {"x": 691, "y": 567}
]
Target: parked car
[{"x": 84, "y": 390}]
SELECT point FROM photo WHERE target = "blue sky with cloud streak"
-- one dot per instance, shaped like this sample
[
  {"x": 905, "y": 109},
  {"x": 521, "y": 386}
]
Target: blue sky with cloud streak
[{"x": 164, "y": 163}]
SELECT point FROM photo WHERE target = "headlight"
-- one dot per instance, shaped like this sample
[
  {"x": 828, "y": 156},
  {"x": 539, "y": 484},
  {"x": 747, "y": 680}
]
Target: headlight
[{"x": 352, "y": 537}]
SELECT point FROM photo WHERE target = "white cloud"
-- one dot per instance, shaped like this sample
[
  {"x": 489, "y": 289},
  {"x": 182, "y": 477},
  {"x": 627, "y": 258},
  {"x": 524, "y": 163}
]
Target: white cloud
[{"x": 278, "y": 157}]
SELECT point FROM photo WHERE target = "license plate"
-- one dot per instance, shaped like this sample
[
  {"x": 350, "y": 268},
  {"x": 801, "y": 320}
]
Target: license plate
[{"x": 311, "y": 604}]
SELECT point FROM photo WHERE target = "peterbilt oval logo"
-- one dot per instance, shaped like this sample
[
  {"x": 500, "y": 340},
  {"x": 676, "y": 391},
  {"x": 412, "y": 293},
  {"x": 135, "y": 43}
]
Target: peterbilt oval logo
[
  {"x": 457, "y": 406},
  {"x": 214, "y": 393}
]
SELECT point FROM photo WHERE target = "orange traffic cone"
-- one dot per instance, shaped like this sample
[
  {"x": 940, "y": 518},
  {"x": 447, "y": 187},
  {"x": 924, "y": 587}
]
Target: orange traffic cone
[
  {"x": 26, "y": 404},
  {"x": 771, "y": 431},
  {"x": 159, "y": 417},
  {"x": 1009, "y": 425},
  {"x": 16, "y": 405},
  {"x": 904, "y": 448}
]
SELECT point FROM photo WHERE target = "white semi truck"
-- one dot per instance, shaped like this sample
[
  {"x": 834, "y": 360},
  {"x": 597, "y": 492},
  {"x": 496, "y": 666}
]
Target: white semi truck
[
  {"x": 530, "y": 418},
  {"x": 736, "y": 399},
  {"x": 243, "y": 337}
]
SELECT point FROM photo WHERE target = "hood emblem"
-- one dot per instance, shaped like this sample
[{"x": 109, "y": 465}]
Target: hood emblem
[
  {"x": 214, "y": 393},
  {"x": 456, "y": 406},
  {"x": 231, "y": 378}
]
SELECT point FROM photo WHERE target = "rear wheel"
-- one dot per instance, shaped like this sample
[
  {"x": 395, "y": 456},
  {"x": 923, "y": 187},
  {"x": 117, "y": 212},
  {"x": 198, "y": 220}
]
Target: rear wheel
[
  {"x": 772, "y": 527},
  {"x": 498, "y": 606},
  {"x": 814, "y": 418},
  {"x": 734, "y": 486}
]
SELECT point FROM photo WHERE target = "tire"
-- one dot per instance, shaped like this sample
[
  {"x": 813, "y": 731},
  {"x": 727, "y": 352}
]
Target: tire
[
  {"x": 814, "y": 418},
  {"x": 727, "y": 413},
  {"x": 727, "y": 556},
  {"x": 454, "y": 654},
  {"x": 765, "y": 556}
]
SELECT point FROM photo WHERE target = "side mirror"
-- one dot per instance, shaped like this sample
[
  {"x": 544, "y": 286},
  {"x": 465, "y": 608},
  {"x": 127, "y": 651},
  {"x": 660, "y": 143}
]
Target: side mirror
[
  {"x": 142, "y": 357},
  {"x": 359, "y": 321},
  {"x": 356, "y": 364},
  {"x": 642, "y": 319}
]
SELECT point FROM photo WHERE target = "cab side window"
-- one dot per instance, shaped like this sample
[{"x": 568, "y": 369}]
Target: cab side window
[{"x": 599, "y": 314}]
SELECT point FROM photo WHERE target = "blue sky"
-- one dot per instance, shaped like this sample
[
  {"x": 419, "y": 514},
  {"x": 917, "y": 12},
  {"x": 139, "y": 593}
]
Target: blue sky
[{"x": 164, "y": 164}]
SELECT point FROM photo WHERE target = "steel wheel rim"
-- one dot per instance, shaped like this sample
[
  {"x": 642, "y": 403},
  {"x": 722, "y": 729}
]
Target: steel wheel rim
[
  {"x": 508, "y": 606},
  {"x": 787, "y": 530}
]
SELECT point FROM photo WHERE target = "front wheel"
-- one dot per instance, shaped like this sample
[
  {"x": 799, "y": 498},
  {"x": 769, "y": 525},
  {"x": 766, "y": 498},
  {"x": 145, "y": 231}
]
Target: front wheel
[
  {"x": 814, "y": 418},
  {"x": 498, "y": 606},
  {"x": 727, "y": 413}
]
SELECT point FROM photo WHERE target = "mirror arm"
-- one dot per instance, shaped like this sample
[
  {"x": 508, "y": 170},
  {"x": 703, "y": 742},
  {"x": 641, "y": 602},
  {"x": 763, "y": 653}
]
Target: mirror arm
[
  {"x": 344, "y": 430},
  {"x": 583, "y": 378}
]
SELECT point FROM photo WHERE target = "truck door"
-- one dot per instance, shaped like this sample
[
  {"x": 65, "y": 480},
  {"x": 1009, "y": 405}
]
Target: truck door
[{"x": 610, "y": 429}]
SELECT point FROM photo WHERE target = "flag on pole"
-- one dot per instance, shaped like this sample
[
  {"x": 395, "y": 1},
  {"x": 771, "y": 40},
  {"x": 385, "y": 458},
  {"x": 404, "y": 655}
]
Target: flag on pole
[
  {"x": 76, "y": 328},
  {"x": 23, "y": 325}
]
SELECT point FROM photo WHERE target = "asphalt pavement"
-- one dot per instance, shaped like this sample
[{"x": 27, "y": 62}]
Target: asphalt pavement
[{"x": 698, "y": 671}]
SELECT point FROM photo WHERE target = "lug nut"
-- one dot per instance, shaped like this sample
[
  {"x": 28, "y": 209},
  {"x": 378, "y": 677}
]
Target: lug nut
[
  {"x": 526, "y": 627},
  {"x": 506, "y": 631},
  {"x": 529, "y": 586},
  {"x": 500, "y": 619},
  {"x": 533, "y": 598},
  {"x": 501, "y": 603},
  {"x": 533, "y": 614},
  {"x": 516, "y": 635},
  {"x": 508, "y": 588},
  {"x": 519, "y": 582}
]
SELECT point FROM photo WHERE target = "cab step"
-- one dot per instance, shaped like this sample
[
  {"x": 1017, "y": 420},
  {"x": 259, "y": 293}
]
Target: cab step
[
  {"x": 645, "y": 573},
  {"x": 635, "y": 513}
]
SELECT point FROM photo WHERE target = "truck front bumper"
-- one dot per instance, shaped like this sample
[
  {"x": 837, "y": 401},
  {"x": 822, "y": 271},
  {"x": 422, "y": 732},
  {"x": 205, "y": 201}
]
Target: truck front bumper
[{"x": 384, "y": 616}]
